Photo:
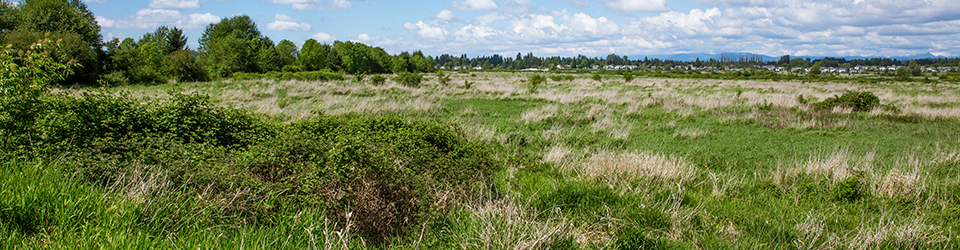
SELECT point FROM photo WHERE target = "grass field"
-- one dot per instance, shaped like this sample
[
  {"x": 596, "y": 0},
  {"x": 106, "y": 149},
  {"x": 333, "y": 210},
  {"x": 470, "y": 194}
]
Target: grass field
[{"x": 580, "y": 164}]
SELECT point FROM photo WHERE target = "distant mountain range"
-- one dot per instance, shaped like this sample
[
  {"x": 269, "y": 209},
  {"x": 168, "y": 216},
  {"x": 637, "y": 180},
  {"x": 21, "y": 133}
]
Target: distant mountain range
[{"x": 689, "y": 57}]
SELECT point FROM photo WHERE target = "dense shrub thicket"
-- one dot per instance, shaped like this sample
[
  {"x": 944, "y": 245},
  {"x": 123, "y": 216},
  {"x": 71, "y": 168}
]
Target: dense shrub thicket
[
  {"x": 858, "y": 101},
  {"x": 385, "y": 174}
]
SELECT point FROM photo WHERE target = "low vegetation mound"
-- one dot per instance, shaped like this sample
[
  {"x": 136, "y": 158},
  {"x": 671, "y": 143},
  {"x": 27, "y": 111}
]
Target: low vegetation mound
[
  {"x": 383, "y": 174},
  {"x": 858, "y": 101}
]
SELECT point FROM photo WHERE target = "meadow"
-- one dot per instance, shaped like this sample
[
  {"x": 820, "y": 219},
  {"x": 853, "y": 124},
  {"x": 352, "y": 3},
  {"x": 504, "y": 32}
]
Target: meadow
[{"x": 489, "y": 160}]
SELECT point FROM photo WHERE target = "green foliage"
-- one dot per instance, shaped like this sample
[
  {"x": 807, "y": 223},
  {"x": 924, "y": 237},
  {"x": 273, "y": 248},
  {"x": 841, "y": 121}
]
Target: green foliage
[
  {"x": 409, "y": 79},
  {"x": 236, "y": 45},
  {"x": 182, "y": 65},
  {"x": 70, "y": 48},
  {"x": 636, "y": 239},
  {"x": 442, "y": 78},
  {"x": 850, "y": 189},
  {"x": 25, "y": 76},
  {"x": 320, "y": 75},
  {"x": 358, "y": 77},
  {"x": 858, "y": 101},
  {"x": 166, "y": 39},
  {"x": 314, "y": 56},
  {"x": 597, "y": 77},
  {"x": 8, "y": 16},
  {"x": 360, "y": 58},
  {"x": 815, "y": 69},
  {"x": 62, "y": 16},
  {"x": 914, "y": 68},
  {"x": 286, "y": 53},
  {"x": 627, "y": 77},
  {"x": 535, "y": 82},
  {"x": 378, "y": 79}
]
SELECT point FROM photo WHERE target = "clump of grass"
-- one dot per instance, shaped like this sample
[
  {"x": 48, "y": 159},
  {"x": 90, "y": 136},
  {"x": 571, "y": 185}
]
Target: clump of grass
[
  {"x": 378, "y": 79},
  {"x": 619, "y": 170}
]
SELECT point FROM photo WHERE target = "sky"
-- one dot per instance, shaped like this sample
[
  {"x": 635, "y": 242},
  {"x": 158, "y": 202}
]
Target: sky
[{"x": 571, "y": 27}]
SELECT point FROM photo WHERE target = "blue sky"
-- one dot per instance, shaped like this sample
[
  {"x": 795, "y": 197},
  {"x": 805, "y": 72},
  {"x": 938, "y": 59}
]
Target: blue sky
[{"x": 572, "y": 27}]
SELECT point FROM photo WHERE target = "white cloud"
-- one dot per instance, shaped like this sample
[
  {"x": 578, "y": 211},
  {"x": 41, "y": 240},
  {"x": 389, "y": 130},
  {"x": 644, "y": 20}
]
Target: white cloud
[
  {"x": 316, "y": 4},
  {"x": 284, "y": 22},
  {"x": 637, "y": 5},
  {"x": 174, "y": 4},
  {"x": 323, "y": 37},
  {"x": 474, "y": 5},
  {"x": 95, "y": 1},
  {"x": 105, "y": 22},
  {"x": 426, "y": 31},
  {"x": 152, "y": 18},
  {"x": 445, "y": 15}
]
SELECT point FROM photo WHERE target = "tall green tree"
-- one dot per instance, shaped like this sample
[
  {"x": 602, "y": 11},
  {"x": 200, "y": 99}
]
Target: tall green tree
[
  {"x": 167, "y": 39},
  {"x": 914, "y": 68},
  {"x": 287, "y": 53},
  {"x": 815, "y": 69},
  {"x": 8, "y": 16},
  {"x": 68, "y": 20},
  {"x": 60, "y": 16},
  {"x": 236, "y": 45}
]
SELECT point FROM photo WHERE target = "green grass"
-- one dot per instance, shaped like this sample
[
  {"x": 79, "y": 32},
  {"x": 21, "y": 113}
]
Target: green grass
[{"x": 757, "y": 174}]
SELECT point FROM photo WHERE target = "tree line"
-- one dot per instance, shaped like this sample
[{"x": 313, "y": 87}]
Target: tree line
[
  {"x": 236, "y": 45},
  {"x": 233, "y": 45}
]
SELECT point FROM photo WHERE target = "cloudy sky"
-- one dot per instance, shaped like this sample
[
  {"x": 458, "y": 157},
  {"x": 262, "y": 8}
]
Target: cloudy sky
[{"x": 572, "y": 27}]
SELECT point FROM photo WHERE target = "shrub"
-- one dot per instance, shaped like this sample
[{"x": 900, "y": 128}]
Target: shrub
[
  {"x": 535, "y": 82},
  {"x": 442, "y": 79},
  {"x": 378, "y": 79},
  {"x": 292, "y": 68},
  {"x": 467, "y": 84},
  {"x": 384, "y": 170},
  {"x": 556, "y": 78},
  {"x": 858, "y": 101},
  {"x": 358, "y": 77},
  {"x": 597, "y": 77},
  {"x": 409, "y": 79},
  {"x": 627, "y": 77}
]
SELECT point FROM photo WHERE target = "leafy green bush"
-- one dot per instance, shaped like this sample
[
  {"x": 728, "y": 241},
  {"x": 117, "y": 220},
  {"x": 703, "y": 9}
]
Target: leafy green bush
[
  {"x": 858, "y": 101},
  {"x": 627, "y": 77},
  {"x": 597, "y": 77},
  {"x": 384, "y": 170},
  {"x": 183, "y": 66},
  {"x": 409, "y": 79},
  {"x": 535, "y": 82},
  {"x": 378, "y": 79}
]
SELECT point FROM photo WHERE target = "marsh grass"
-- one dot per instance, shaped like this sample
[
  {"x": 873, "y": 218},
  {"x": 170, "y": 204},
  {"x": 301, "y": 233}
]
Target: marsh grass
[{"x": 655, "y": 162}]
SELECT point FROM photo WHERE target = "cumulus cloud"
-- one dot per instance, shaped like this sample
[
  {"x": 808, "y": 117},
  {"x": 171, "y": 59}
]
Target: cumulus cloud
[
  {"x": 637, "y": 5},
  {"x": 174, "y": 4},
  {"x": 152, "y": 18},
  {"x": 424, "y": 30},
  {"x": 284, "y": 22},
  {"x": 316, "y": 4},
  {"x": 323, "y": 37},
  {"x": 474, "y": 5},
  {"x": 445, "y": 15}
]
